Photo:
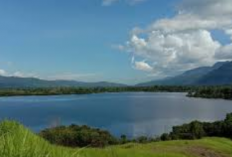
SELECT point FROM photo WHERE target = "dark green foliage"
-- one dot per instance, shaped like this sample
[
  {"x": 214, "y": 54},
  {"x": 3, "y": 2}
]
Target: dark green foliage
[
  {"x": 227, "y": 126},
  {"x": 214, "y": 129},
  {"x": 143, "y": 139},
  {"x": 78, "y": 136},
  {"x": 194, "y": 130},
  {"x": 224, "y": 92},
  {"x": 84, "y": 136},
  {"x": 197, "y": 130},
  {"x": 123, "y": 139},
  {"x": 77, "y": 90},
  {"x": 165, "y": 137}
]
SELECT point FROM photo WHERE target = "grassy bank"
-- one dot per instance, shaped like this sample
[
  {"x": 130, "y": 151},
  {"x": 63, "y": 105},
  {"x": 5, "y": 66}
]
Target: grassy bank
[{"x": 17, "y": 141}]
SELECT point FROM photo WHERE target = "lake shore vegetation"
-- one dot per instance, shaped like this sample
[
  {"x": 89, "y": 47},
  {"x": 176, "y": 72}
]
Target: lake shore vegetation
[{"x": 224, "y": 92}]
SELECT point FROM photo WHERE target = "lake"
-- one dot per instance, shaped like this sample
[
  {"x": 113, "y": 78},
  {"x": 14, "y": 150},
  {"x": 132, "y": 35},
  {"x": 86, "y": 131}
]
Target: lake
[{"x": 133, "y": 114}]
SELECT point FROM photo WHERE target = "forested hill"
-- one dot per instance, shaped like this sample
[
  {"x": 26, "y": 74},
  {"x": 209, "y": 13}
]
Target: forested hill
[{"x": 18, "y": 82}]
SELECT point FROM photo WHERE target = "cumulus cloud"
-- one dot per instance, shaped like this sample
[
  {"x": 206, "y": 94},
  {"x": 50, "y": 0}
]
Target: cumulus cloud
[
  {"x": 172, "y": 51},
  {"x": 110, "y": 2},
  {"x": 224, "y": 52},
  {"x": 207, "y": 8},
  {"x": 184, "y": 41},
  {"x": 142, "y": 65}
]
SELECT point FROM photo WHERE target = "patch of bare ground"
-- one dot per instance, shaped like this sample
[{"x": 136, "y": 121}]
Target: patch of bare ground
[{"x": 203, "y": 152}]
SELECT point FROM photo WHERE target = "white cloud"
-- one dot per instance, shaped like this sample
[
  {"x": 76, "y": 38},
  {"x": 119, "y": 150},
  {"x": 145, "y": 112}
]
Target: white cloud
[
  {"x": 16, "y": 74},
  {"x": 229, "y": 32},
  {"x": 207, "y": 8},
  {"x": 142, "y": 65},
  {"x": 172, "y": 51},
  {"x": 23, "y": 75},
  {"x": 184, "y": 41},
  {"x": 190, "y": 22},
  {"x": 110, "y": 2},
  {"x": 225, "y": 52}
]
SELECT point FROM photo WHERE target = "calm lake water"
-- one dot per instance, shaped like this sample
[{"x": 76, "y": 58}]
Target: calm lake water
[{"x": 133, "y": 114}]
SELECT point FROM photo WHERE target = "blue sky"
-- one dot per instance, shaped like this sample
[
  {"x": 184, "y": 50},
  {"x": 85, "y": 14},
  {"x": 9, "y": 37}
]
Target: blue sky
[{"x": 82, "y": 39}]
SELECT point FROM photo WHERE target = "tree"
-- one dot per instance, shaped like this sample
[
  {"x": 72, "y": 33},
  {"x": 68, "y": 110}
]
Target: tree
[{"x": 123, "y": 139}]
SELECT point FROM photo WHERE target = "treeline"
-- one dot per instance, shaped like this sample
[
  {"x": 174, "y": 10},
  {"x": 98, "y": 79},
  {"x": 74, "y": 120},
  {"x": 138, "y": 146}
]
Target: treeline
[
  {"x": 75, "y": 90},
  {"x": 84, "y": 136},
  {"x": 224, "y": 92},
  {"x": 197, "y": 130}
]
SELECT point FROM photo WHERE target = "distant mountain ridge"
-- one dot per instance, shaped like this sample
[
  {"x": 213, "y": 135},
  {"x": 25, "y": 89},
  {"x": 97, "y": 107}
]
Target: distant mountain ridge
[
  {"x": 219, "y": 74},
  {"x": 18, "y": 82}
]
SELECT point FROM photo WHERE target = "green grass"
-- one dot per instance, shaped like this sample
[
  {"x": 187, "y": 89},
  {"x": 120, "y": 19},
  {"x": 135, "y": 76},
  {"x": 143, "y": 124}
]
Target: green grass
[{"x": 17, "y": 141}]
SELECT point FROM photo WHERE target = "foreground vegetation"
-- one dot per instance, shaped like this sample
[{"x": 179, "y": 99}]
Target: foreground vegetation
[
  {"x": 198, "y": 130},
  {"x": 17, "y": 141},
  {"x": 82, "y": 136},
  {"x": 78, "y": 136}
]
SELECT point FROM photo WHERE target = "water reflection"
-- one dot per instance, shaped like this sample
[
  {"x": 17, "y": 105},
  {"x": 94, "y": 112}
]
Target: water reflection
[{"x": 133, "y": 114}]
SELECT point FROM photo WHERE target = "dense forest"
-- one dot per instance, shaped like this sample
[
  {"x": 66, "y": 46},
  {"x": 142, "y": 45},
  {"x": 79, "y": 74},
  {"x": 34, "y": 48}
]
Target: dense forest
[
  {"x": 84, "y": 136},
  {"x": 224, "y": 92},
  {"x": 76, "y": 90}
]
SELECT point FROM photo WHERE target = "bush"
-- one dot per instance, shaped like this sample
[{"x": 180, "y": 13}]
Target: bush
[
  {"x": 78, "y": 136},
  {"x": 197, "y": 130}
]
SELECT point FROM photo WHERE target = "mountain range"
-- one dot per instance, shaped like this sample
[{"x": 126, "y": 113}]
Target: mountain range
[
  {"x": 18, "y": 82},
  {"x": 219, "y": 74}
]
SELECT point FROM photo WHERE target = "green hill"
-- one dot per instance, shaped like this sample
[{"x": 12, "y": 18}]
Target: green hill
[{"x": 17, "y": 141}]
